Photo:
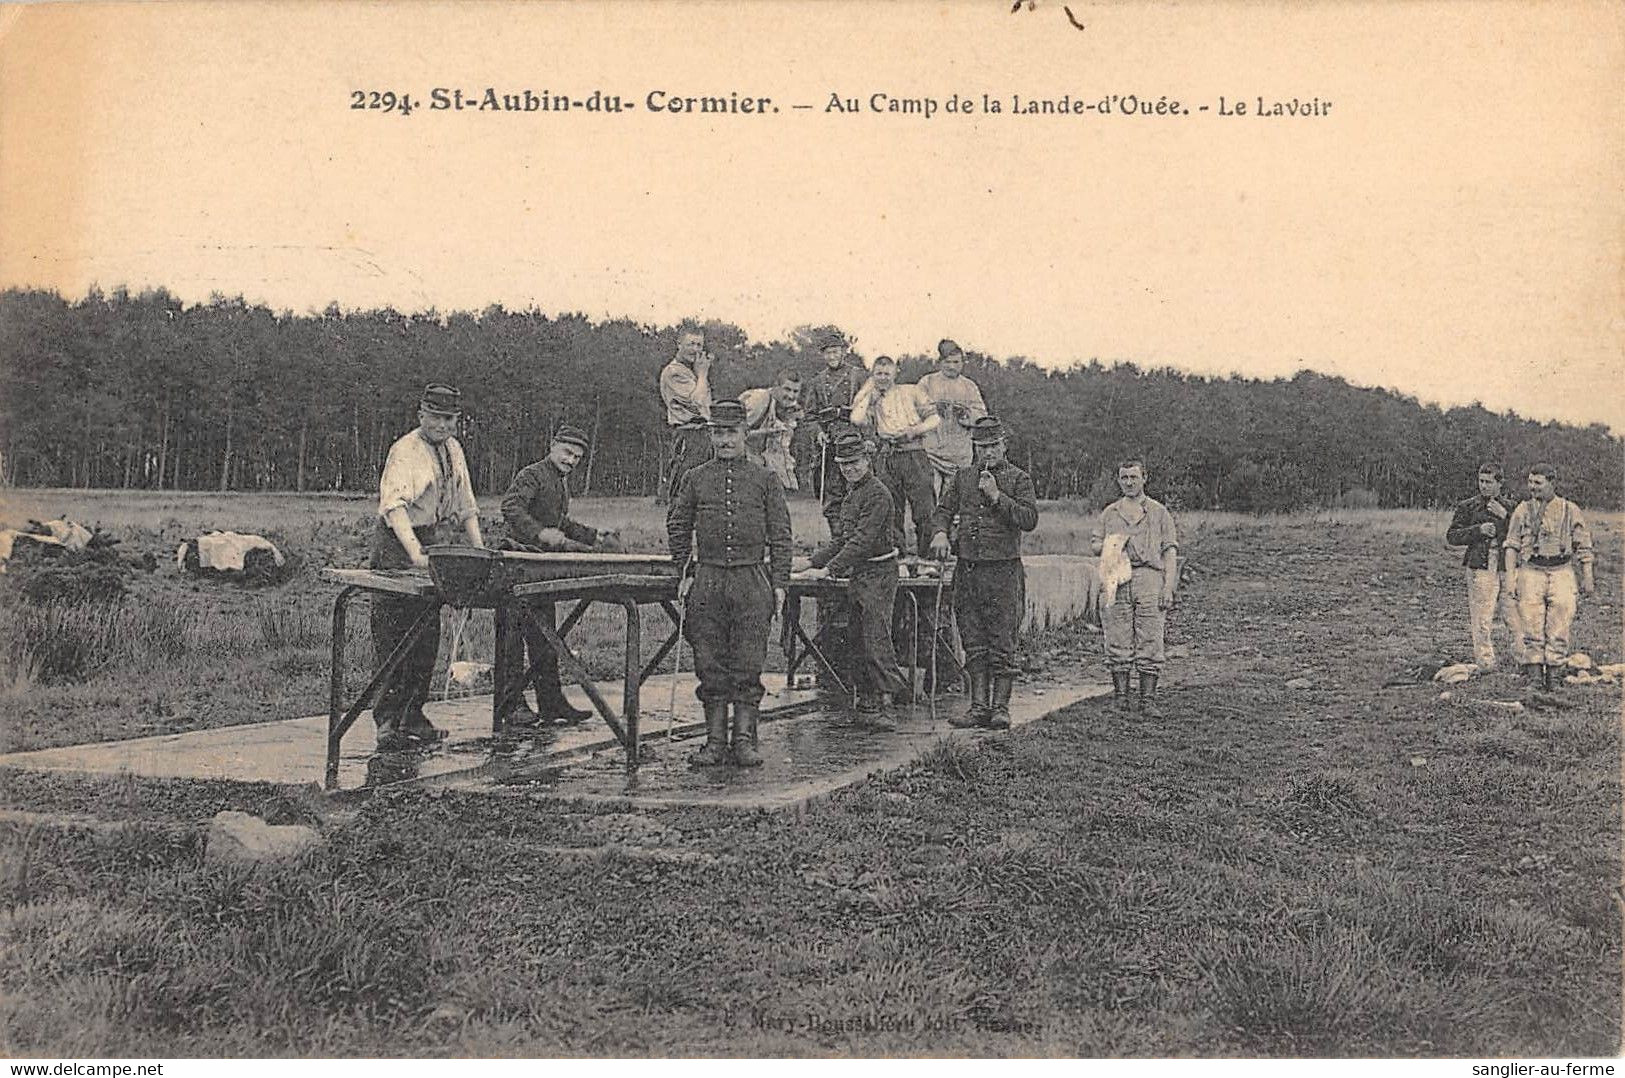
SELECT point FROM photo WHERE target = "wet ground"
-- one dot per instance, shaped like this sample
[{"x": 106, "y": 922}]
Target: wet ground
[{"x": 808, "y": 746}]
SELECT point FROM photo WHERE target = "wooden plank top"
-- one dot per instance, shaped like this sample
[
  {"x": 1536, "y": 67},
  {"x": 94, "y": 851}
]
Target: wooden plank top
[{"x": 394, "y": 581}]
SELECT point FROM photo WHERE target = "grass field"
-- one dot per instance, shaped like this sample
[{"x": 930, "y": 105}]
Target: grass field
[{"x": 1360, "y": 867}]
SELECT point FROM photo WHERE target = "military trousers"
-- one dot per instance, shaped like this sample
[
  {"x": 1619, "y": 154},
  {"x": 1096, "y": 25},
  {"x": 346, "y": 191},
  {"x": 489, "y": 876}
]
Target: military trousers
[
  {"x": 392, "y": 616},
  {"x": 536, "y": 655},
  {"x": 990, "y": 598},
  {"x": 690, "y": 448},
  {"x": 730, "y": 609},
  {"x": 1547, "y": 600},
  {"x": 871, "y": 592},
  {"x": 907, "y": 474},
  {"x": 1134, "y": 624}
]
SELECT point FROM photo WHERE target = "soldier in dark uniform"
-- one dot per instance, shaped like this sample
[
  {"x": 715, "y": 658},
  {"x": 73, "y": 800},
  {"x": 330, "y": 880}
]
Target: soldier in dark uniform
[
  {"x": 536, "y": 514},
  {"x": 726, "y": 515},
  {"x": 863, "y": 549},
  {"x": 828, "y": 400},
  {"x": 994, "y": 502}
]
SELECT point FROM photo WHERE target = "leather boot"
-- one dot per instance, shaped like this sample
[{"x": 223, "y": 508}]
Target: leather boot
[
  {"x": 715, "y": 752},
  {"x": 879, "y": 717},
  {"x": 746, "y": 753},
  {"x": 1120, "y": 686},
  {"x": 553, "y": 705},
  {"x": 517, "y": 715},
  {"x": 1148, "y": 697},
  {"x": 998, "y": 717},
  {"x": 977, "y": 713}
]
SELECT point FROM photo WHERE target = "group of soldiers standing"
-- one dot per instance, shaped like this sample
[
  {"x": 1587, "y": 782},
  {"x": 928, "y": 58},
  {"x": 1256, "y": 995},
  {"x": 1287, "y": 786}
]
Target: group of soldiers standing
[{"x": 927, "y": 452}]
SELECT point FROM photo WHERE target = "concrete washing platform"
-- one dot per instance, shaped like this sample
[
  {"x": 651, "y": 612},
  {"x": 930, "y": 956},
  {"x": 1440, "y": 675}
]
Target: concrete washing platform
[{"x": 807, "y": 753}]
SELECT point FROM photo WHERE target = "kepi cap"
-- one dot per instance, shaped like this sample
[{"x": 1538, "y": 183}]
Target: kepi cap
[
  {"x": 986, "y": 431},
  {"x": 441, "y": 399},
  {"x": 946, "y": 348},
  {"x": 726, "y": 414},
  {"x": 569, "y": 435},
  {"x": 831, "y": 340},
  {"x": 850, "y": 446}
]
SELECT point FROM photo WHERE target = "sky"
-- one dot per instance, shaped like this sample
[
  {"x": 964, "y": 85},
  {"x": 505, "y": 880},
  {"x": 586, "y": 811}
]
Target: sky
[{"x": 1452, "y": 228}]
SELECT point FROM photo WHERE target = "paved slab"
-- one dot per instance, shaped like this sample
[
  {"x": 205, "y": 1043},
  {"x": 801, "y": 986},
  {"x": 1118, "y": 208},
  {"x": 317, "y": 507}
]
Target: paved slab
[
  {"x": 294, "y": 751},
  {"x": 807, "y": 754}
]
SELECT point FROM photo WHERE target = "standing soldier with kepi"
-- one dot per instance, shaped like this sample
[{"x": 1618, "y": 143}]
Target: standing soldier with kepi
[
  {"x": 1135, "y": 621},
  {"x": 901, "y": 417},
  {"x": 862, "y": 549},
  {"x": 993, "y": 502},
  {"x": 1480, "y": 524},
  {"x": 829, "y": 403},
  {"x": 536, "y": 514},
  {"x": 685, "y": 389},
  {"x": 1546, "y": 538},
  {"x": 425, "y": 483},
  {"x": 726, "y": 514}
]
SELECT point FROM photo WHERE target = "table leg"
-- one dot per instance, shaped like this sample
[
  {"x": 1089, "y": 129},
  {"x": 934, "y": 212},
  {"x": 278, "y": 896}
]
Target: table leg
[
  {"x": 335, "y": 734},
  {"x": 335, "y": 684},
  {"x": 571, "y": 664},
  {"x": 630, "y": 687}
]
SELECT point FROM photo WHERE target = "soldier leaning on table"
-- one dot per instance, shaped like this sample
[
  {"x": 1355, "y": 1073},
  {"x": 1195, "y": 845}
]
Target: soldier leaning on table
[
  {"x": 425, "y": 483},
  {"x": 993, "y": 502},
  {"x": 726, "y": 514},
  {"x": 1546, "y": 538},
  {"x": 536, "y": 516},
  {"x": 863, "y": 550}
]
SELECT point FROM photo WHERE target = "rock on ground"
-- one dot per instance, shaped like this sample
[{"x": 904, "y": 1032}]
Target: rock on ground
[{"x": 239, "y": 838}]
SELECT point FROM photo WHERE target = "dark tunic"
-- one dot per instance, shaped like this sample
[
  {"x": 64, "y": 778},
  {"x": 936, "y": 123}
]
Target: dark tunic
[
  {"x": 1483, "y": 551},
  {"x": 990, "y": 586},
  {"x": 726, "y": 516}
]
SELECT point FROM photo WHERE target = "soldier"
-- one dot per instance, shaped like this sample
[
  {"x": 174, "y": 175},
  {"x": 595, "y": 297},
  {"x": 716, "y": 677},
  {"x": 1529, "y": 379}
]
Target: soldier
[
  {"x": 536, "y": 514},
  {"x": 771, "y": 414},
  {"x": 959, "y": 402},
  {"x": 425, "y": 484},
  {"x": 1546, "y": 538},
  {"x": 829, "y": 403},
  {"x": 993, "y": 502},
  {"x": 862, "y": 549},
  {"x": 901, "y": 417},
  {"x": 1480, "y": 524},
  {"x": 727, "y": 512},
  {"x": 685, "y": 389},
  {"x": 1141, "y": 530}
]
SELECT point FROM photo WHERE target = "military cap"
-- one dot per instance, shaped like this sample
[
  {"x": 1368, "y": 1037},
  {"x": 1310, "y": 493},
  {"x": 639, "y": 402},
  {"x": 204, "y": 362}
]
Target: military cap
[
  {"x": 571, "y": 436},
  {"x": 831, "y": 340},
  {"x": 946, "y": 348},
  {"x": 441, "y": 399},
  {"x": 986, "y": 431},
  {"x": 726, "y": 414},
  {"x": 850, "y": 446}
]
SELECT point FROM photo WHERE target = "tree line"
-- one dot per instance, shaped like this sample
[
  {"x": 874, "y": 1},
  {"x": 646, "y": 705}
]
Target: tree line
[{"x": 141, "y": 391}]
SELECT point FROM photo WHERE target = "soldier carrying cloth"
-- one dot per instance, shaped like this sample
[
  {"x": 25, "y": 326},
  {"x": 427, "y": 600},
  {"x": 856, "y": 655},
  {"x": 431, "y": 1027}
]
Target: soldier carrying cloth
[
  {"x": 726, "y": 515},
  {"x": 425, "y": 483},
  {"x": 862, "y": 548},
  {"x": 536, "y": 515},
  {"x": 994, "y": 502}
]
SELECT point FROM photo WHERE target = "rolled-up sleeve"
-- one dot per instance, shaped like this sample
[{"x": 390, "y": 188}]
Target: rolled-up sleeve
[
  {"x": 1580, "y": 536},
  {"x": 1168, "y": 536},
  {"x": 403, "y": 482}
]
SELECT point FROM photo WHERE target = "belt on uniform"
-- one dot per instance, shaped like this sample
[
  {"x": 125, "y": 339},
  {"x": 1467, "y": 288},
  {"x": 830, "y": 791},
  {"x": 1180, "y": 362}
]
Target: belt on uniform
[{"x": 1551, "y": 562}]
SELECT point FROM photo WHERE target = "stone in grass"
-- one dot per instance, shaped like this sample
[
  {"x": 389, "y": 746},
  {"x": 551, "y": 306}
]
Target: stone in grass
[
  {"x": 1300, "y": 683},
  {"x": 239, "y": 838}
]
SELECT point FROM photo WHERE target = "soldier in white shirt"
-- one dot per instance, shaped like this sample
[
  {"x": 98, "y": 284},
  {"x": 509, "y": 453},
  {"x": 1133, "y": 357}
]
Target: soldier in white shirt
[
  {"x": 900, "y": 417},
  {"x": 959, "y": 402},
  {"x": 425, "y": 484}
]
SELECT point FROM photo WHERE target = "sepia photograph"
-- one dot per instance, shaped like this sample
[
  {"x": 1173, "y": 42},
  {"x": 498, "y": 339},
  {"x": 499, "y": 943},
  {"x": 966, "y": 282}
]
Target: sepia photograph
[{"x": 811, "y": 529}]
